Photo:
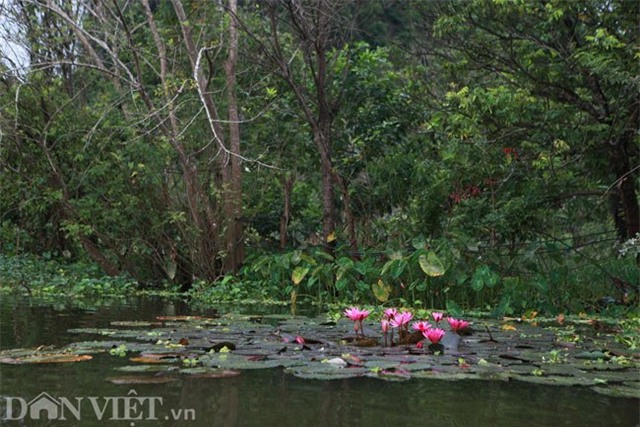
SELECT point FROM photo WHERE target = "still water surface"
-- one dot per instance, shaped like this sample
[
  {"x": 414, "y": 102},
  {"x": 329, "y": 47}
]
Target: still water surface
[{"x": 267, "y": 397}]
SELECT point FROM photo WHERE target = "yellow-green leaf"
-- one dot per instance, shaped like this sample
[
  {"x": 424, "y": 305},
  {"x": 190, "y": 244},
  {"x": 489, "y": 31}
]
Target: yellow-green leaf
[
  {"x": 431, "y": 264},
  {"x": 298, "y": 274},
  {"x": 381, "y": 291},
  {"x": 171, "y": 269}
]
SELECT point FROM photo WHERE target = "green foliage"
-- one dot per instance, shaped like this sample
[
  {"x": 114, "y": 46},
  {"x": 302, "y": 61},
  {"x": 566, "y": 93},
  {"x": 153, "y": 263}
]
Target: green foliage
[
  {"x": 27, "y": 274},
  {"x": 478, "y": 159}
]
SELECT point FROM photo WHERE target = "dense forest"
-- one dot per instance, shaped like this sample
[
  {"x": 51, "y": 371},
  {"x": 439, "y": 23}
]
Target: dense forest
[{"x": 476, "y": 153}]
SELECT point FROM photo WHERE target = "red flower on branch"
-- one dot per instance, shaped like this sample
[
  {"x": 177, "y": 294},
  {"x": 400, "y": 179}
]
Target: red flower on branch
[{"x": 511, "y": 153}]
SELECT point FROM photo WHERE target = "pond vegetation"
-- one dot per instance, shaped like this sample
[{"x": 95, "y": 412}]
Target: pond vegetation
[
  {"x": 223, "y": 364},
  {"x": 571, "y": 352}
]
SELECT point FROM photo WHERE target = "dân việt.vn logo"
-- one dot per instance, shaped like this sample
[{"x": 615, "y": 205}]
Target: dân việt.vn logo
[{"x": 112, "y": 408}]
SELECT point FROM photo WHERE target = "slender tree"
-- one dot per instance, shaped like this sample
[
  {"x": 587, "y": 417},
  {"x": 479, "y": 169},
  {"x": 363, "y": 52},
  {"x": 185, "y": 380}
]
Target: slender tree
[{"x": 315, "y": 31}]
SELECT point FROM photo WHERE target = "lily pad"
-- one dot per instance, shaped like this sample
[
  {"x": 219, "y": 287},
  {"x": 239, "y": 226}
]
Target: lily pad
[
  {"x": 135, "y": 323},
  {"x": 210, "y": 373},
  {"x": 445, "y": 376},
  {"x": 22, "y": 352},
  {"x": 221, "y": 346},
  {"x": 381, "y": 364},
  {"x": 299, "y": 344},
  {"x": 418, "y": 366},
  {"x": 185, "y": 318},
  {"x": 233, "y": 361},
  {"x": 326, "y": 371},
  {"x": 141, "y": 379},
  {"x": 154, "y": 358},
  {"x": 493, "y": 374},
  {"x": 95, "y": 331},
  {"x": 390, "y": 374},
  {"x": 48, "y": 358},
  {"x": 618, "y": 391},
  {"x": 555, "y": 380},
  {"x": 562, "y": 369},
  {"x": 591, "y": 355},
  {"x": 145, "y": 368}
]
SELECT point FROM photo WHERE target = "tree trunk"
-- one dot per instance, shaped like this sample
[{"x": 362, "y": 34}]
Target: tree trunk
[
  {"x": 287, "y": 186},
  {"x": 349, "y": 217},
  {"x": 208, "y": 238},
  {"x": 626, "y": 173},
  {"x": 233, "y": 188},
  {"x": 323, "y": 142},
  {"x": 313, "y": 25},
  {"x": 626, "y": 191},
  {"x": 96, "y": 254}
]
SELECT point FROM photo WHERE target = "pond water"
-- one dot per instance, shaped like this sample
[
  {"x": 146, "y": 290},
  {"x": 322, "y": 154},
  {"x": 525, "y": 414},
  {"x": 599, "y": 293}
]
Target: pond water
[{"x": 262, "y": 397}]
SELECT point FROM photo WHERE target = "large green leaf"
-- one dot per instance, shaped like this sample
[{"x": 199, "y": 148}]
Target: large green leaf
[
  {"x": 171, "y": 268},
  {"x": 453, "y": 308},
  {"x": 419, "y": 242},
  {"x": 484, "y": 276},
  {"x": 341, "y": 284},
  {"x": 398, "y": 268},
  {"x": 431, "y": 264},
  {"x": 477, "y": 281},
  {"x": 389, "y": 264}
]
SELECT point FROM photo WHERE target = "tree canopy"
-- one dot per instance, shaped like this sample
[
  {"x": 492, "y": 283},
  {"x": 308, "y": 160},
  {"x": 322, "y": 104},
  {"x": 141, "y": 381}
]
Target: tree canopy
[{"x": 172, "y": 140}]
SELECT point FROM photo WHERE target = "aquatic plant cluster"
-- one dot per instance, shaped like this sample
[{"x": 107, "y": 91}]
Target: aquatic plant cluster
[{"x": 393, "y": 319}]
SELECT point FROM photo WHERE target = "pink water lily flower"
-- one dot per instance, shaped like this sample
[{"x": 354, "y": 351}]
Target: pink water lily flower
[
  {"x": 457, "y": 325},
  {"x": 384, "y": 324},
  {"x": 433, "y": 334},
  {"x": 390, "y": 313},
  {"x": 357, "y": 315},
  {"x": 401, "y": 319},
  {"x": 421, "y": 326},
  {"x": 437, "y": 316}
]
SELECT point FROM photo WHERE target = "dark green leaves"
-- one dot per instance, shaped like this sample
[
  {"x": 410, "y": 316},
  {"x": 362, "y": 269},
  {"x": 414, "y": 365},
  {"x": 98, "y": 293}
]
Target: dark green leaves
[{"x": 482, "y": 277}]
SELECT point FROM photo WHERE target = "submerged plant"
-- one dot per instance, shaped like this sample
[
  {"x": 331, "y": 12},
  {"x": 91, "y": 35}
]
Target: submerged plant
[
  {"x": 555, "y": 356},
  {"x": 190, "y": 361},
  {"x": 120, "y": 351}
]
